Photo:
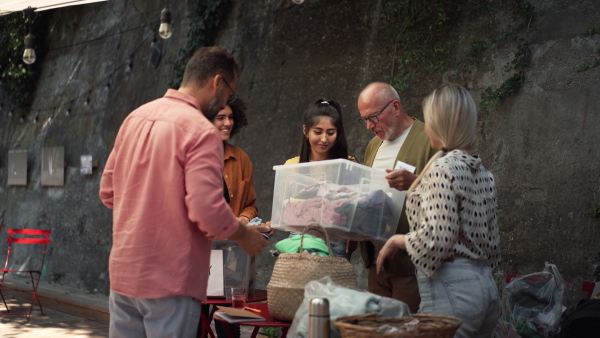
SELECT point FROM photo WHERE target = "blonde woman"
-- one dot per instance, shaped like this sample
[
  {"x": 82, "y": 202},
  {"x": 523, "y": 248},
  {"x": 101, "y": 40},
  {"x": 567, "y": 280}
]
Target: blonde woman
[{"x": 451, "y": 207}]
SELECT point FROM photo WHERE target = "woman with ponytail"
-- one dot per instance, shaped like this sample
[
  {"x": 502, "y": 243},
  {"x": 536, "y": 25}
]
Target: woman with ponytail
[
  {"x": 324, "y": 138},
  {"x": 454, "y": 240}
]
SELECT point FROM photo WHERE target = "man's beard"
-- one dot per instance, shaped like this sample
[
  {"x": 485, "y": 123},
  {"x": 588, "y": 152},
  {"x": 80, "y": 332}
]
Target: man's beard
[{"x": 213, "y": 108}]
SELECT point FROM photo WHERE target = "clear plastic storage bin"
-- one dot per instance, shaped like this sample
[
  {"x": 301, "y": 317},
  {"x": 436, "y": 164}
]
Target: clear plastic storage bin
[
  {"x": 350, "y": 200},
  {"x": 239, "y": 269}
]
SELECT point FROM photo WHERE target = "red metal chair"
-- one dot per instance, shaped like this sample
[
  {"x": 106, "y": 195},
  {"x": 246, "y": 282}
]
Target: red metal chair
[
  {"x": 589, "y": 288},
  {"x": 16, "y": 237}
]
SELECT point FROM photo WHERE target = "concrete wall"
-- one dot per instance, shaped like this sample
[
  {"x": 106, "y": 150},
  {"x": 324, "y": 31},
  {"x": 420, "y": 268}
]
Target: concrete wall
[{"x": 541, "y": 144}]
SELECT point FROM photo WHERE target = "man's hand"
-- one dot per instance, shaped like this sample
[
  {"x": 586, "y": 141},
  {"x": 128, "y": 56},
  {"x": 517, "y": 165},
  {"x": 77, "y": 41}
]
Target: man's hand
[
  {"x": 250, "y": 239},
  {"x": 399, "y": 178},
  {"x": 270, "y": 231}
]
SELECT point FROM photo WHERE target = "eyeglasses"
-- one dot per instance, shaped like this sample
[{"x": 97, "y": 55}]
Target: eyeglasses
[
  {"x": 233, "y": 96},
  {"x": 373, "y": 118}
]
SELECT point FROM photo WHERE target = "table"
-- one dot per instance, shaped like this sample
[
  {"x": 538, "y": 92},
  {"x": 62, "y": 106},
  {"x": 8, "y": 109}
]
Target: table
[
  {"x": 258, "y": 296},
  {"x": 268, "y": 322}
]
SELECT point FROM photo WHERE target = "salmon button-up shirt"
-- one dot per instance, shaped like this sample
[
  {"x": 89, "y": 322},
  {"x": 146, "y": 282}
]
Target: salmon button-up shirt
[{"x": 163, "y": 180}]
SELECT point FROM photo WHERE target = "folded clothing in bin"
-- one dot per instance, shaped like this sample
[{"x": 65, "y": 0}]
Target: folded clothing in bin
[
  {"x": 312, "y": 210},
  {"x": 350, "y": 200},
  {"x": 375, "y": 209},
  {"x": 334, "y": 204}
]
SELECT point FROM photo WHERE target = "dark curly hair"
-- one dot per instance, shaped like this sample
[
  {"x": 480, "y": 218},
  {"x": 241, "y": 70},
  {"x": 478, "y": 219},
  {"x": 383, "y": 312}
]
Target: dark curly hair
[{"x": 238, "y": 108}]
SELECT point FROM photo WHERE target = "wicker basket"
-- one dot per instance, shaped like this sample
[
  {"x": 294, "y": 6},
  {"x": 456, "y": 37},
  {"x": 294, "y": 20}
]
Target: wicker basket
[
  {"x": 430, "y": 326},
  {"x": 292, "y": 271}
]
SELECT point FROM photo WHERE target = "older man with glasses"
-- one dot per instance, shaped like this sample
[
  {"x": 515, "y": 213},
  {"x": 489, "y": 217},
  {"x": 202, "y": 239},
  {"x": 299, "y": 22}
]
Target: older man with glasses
[{"x": 400, "y": 139}]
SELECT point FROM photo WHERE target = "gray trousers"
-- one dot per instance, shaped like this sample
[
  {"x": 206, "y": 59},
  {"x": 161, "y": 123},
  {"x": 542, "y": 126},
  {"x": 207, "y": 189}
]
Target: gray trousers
[{"x": 175, "y": 316}]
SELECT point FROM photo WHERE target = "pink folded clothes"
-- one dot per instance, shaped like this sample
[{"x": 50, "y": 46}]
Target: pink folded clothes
[
  {"x": 328, "y": 189},
  {"x": 317, "y": 209}
]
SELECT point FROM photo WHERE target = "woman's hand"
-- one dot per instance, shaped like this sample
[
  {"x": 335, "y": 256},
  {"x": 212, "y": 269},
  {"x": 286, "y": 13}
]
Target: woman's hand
[{"x": 389, "y": 250}]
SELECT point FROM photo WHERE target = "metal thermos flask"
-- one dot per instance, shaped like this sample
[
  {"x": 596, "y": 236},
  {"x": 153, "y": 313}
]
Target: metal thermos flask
[{"x": 318, "y": 318}]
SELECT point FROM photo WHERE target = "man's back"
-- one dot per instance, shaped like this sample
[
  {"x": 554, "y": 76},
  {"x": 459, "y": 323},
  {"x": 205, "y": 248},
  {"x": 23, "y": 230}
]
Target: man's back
[{"x": 165, "y": 165}]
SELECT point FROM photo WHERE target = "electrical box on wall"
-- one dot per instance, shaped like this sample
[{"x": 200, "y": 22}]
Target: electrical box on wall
[
  {"x": 53, "y": 166},
  {"x": 17, "y": 167}
]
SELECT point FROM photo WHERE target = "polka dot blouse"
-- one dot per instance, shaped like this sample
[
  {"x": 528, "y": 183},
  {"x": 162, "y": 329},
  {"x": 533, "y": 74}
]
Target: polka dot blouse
[{"x": 452, "y": 212}]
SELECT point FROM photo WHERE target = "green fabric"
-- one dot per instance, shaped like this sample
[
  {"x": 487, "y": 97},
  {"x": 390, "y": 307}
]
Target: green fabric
[
  {"x": 416, "y": 150},
  {"x": 310, "y": 243},
  {"x": 525, "y": 328}
]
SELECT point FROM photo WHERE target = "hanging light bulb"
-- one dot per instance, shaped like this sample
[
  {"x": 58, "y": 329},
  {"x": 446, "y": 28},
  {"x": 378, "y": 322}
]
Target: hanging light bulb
[
  {"x": 29, "y": 54},
  {"x": 298, "y": 2},
  {"x": 164, "y": 30}
]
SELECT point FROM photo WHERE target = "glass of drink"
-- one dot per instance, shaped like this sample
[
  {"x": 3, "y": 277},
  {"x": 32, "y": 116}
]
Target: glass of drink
[{"x": 238, "y": 297}]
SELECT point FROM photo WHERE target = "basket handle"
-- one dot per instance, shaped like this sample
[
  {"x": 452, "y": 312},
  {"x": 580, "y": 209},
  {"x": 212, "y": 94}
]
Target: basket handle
[{"x": 318, "y": 227}]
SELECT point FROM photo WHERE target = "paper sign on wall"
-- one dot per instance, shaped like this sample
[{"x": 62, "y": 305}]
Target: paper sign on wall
[
  {"x": 53, "y": 166},
  {"x": 17, "y": 167},
  {"x": 215, "y": 275},
  {"x": 86, "y": 164}
]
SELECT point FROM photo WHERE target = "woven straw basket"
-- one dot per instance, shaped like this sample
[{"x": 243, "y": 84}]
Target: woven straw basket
[
  {"x": 430, "y": 326},
  {"x": 292, "y": 271}
]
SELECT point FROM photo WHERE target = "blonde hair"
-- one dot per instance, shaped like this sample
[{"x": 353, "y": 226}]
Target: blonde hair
[{"x": 450, "y": 116}]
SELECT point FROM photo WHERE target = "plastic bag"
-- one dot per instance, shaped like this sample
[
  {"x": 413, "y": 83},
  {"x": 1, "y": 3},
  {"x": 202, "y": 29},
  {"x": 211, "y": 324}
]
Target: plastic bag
[
  {"x": 505, "y": 330},
  {"x": 343, "y": 302},
  {"x": 535, "y": 303}
]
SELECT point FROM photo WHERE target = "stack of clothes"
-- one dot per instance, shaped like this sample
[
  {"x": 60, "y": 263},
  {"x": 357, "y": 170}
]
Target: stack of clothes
[{"x": 332, "y": 204}]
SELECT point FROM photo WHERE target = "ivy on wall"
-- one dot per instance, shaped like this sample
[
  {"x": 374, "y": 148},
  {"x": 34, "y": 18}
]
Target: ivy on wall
[
  {"x": 596, "y": 61},
  {"x": 205, "y": 17},
  {"x": 18, "y": 80},
  {"x": 524, "y": 15},
  {"x": 419, "y": 30}
]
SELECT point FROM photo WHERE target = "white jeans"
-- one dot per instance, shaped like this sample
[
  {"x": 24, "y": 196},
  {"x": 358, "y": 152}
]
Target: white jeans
[
  {"x": 464, "y": 288},
  {"x": 175, "y": 316}
]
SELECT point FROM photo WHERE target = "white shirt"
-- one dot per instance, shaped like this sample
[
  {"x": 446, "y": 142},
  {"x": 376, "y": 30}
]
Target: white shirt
[{"x": 388, "y": 151}]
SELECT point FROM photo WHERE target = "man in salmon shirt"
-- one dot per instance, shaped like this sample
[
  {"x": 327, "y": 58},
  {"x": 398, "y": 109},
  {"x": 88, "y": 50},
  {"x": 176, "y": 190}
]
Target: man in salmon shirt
[{"x": 163, "y": 181}]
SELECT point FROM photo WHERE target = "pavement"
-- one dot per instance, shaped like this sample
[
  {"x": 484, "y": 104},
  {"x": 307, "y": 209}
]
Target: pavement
[
  {"x": 52, "y": 324},
  {"x": 68, "y": 312}
]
